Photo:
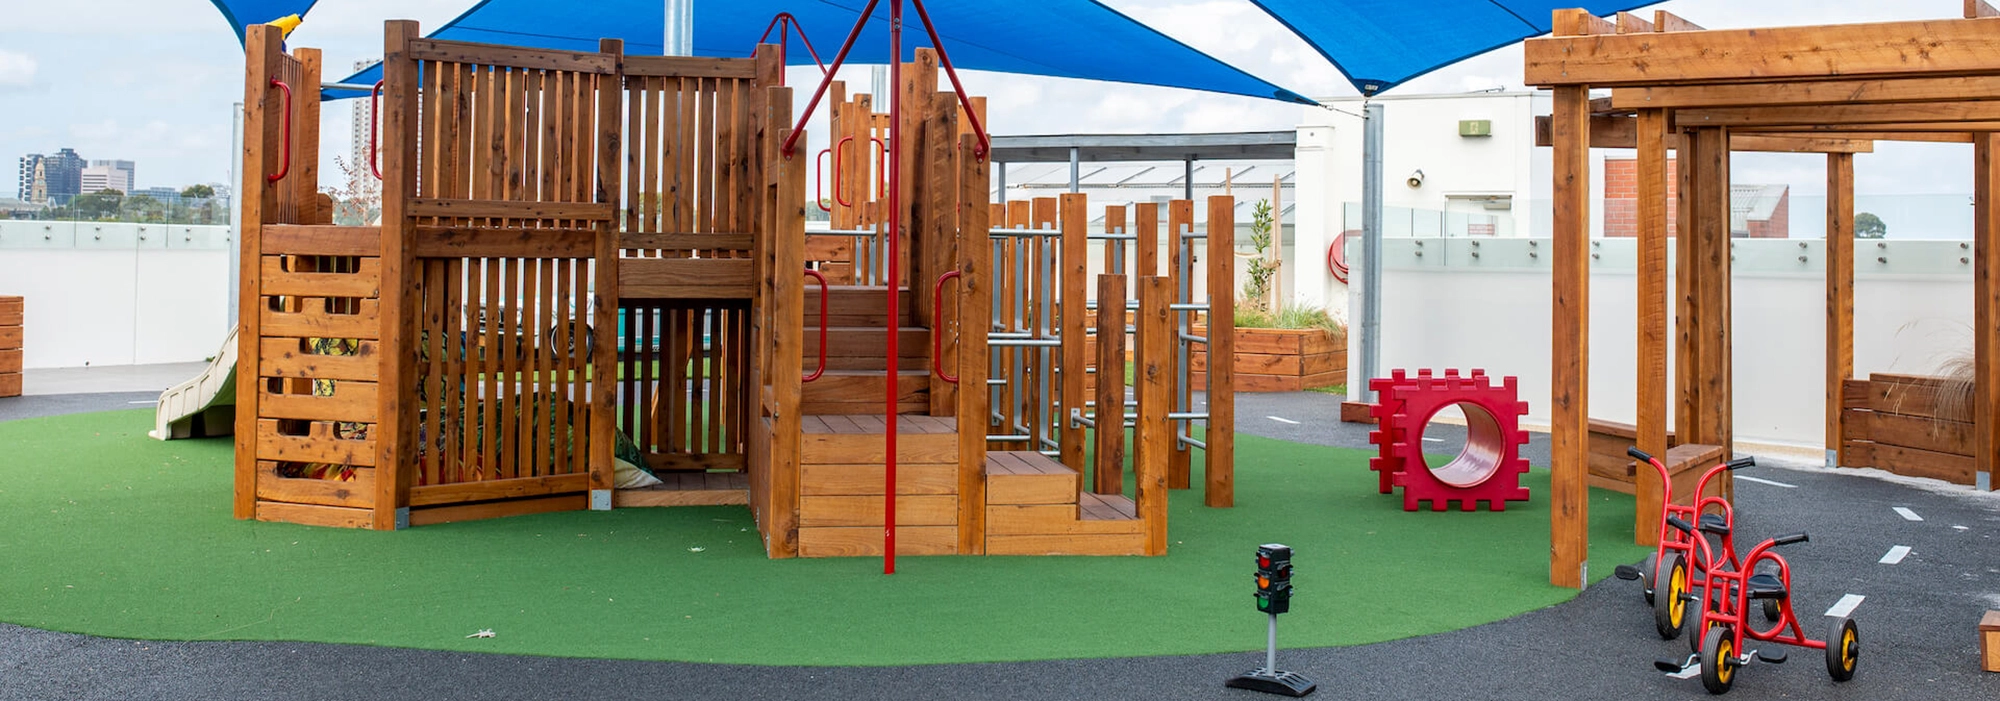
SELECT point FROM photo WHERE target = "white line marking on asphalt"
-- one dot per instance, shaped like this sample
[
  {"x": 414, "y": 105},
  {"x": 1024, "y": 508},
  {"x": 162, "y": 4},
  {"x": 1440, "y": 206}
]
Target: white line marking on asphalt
[
  {"x": 145, "y": 401},
  {"x": 1845, "y": 605},
  {"x": 1433, "y": 440},
  {"x": 1687, "y": 673},
  {"x": 1896, "y": 555},
  {"x": 1282, "y": 420},
  {"x": 1908, "y": 515},
  {"x": 1765, "y": 481},
  {"x": 1960, "y": 528}
]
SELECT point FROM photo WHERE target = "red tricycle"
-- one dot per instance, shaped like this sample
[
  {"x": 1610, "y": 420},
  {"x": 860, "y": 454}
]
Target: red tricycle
[
  {"x": 1722, "y": 626},
  {"x": 1673, "y": 567}
]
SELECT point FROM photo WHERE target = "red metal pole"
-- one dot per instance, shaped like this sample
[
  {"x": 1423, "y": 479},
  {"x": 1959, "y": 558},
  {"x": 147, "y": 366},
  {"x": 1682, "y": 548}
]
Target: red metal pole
[
  {"x": 895, "y": 232},
  {"x": 799, "y": 129}
]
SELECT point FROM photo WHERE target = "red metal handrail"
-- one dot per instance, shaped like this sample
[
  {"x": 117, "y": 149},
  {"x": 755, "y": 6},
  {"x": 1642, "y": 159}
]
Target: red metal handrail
[
  {"x": 285, "y": 162},
  {"x": 838, "y": 148},
  {"x": 937, "y": 328},
  {"x": 374, "y": 115},
  {"x": 822, "y": 325},
  {"x": 819, "y": 183}
]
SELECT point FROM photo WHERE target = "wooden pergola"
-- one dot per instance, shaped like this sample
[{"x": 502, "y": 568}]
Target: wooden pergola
[{"x": 1830, "y": 89}]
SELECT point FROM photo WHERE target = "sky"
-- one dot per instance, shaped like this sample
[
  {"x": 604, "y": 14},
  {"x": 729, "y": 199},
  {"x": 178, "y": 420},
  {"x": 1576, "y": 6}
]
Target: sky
[{"x": 155, "y": 81}]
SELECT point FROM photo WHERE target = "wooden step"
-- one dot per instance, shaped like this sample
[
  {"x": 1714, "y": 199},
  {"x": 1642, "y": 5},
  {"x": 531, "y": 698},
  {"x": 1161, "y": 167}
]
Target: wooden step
[
  {"x": 867, "y": 341},
  {"x": 688, "y": 489},
  {"x": 857, "y": 305},
  {"x": 849, "y": 392},
  {"x": 858, "y": 440},
  {"x": 1028, "y": 477}
]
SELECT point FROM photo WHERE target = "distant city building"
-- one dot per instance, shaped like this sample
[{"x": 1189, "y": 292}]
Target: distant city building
[
  {"x": 62, "y": 176},
  {"x": 45, "y": 178},
  {"x": 109, "y": 175},
  {"x": 164, "y": 195},
  {"x": 31, "y": 167},
  {"x": 361, "y": 177}
]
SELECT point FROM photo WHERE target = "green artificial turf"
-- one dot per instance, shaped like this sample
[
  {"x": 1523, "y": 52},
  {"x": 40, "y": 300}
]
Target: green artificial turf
[{"x": 110, "y": 533}]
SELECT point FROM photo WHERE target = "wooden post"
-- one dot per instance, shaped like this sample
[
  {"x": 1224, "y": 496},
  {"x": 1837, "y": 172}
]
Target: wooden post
[
  {"x": 1652, "y": 278},
  {"x": 1569, "y": 535},
  {"x": 787, "y": 329},
  {"x": 261, "y": 103},
  {"x": 1071, "y": 276},
  {"x": 304, "y": 178},
  {"x": 1219, "y": 468},
  {"x": 1153, "y": 437},
  {"x": 941, "y": 196},
  {"x": 1146, "y": 241},
  {"x": 396, "y": 386},
  {"x": 975, "y": 317},
  {"x": 1986, "y": 305},
  {"x": 604, "y": 313},
  {"x": 1110, "y": 469},
  {"x": 919, "y": 83},
  {"x": 1840, "y": 297}
]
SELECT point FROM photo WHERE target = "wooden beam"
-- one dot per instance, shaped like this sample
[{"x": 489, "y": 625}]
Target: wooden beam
[
  {"x": 1886, "y": 49},
  {"x": 1828, "y": 92},
  {"x": 1629, "y": 23},
  {"x": 1622, "y": 132},
  {"x": 786, "y": 281},
  {"x": 1828, "y": 115},
  {"x": 1664, "y": 21},
  {"x": 1651, "y": 414},
  {"x": 1986, "y": 303},
  {"x": 1861, "y": 134},
  {"x": 1839, "y": 296},
  {"x": 1573, "y": 22},
  {"x": 1569, "y": 535}
]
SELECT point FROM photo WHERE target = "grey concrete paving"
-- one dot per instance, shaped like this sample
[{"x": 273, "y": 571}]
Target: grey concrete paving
[
  {"x": 112, "y": 378},
  {"x": 1917, "y": 624}
]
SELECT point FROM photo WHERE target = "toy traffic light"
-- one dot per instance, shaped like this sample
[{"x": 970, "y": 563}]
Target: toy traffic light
[
  {"x": 1274, "y": 579},
  {"x": 1274, "y": 596}
]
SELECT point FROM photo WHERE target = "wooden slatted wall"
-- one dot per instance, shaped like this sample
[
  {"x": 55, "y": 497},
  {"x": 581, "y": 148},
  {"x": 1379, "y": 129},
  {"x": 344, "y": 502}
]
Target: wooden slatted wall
[
  {"x": 508, "y": 219},
  {"x": 685, "y": 265}
]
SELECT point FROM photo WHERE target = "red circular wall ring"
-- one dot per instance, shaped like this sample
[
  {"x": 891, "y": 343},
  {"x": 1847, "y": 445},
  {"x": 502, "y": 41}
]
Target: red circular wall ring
[{"x": 1336, "y": 257}]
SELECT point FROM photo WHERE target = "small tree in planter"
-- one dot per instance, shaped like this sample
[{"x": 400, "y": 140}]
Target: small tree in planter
[{"x": 1263, "y": 266}]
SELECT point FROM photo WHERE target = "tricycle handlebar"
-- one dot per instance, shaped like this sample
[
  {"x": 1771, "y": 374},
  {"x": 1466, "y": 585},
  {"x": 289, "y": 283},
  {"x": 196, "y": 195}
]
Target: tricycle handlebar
[
  {"x": 1681, "y": 525},
  {"x": 1741, "y": 463},
  {"x": 1789, "y": 539}
]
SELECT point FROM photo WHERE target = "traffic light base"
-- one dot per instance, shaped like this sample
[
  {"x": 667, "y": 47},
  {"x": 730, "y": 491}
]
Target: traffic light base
[{"x": 1273, "y": 682}]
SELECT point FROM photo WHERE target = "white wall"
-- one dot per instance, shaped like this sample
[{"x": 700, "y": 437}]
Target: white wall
[
  {"x": 117, "y": 294},
  {"x": 1446, "y": 309}
]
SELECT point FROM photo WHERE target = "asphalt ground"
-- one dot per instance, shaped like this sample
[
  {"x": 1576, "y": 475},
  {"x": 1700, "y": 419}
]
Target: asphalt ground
[{"x": 1918, "y": 623}]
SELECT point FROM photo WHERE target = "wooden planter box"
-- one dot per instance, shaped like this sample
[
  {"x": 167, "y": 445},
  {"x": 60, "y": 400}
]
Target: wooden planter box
[
  {"x": 1282, "y": 360},
  {"x": 1894, "y": 422},
  {"x": 10, "y": 346}
]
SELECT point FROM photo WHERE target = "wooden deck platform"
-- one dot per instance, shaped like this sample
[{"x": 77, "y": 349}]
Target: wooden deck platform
[{"x": 689, "y": 489}]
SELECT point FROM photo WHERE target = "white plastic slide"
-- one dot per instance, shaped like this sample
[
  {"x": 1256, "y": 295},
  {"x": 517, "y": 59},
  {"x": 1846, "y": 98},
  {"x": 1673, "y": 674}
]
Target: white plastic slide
[{"x": 204, "y": 406}]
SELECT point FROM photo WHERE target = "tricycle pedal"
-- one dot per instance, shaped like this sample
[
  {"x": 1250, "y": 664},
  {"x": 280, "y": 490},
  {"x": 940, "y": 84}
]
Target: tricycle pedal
[{"x": 1626, "y": 572}]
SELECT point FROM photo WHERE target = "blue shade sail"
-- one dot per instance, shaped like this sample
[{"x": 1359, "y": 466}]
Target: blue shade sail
[
  {"x": 1379, "y": 44},
  {"x": 243, "y": 13},
  {"x": 1061, "y": 38}
]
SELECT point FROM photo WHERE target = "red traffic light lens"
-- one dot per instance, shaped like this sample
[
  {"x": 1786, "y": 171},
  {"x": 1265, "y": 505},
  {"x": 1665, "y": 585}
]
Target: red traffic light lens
[{"x": 1263, "y": 562}]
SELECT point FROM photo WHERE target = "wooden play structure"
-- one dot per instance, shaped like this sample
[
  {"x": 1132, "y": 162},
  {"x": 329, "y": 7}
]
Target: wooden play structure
[
  {"x": 11, "y": 312},
  {"x": 588, "y": 258},
  {"x": 1704, "y": 93}
]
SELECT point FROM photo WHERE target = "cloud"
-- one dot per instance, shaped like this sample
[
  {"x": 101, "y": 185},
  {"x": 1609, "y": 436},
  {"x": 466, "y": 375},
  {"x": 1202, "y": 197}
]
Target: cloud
[{"x": 17, "y": 70}]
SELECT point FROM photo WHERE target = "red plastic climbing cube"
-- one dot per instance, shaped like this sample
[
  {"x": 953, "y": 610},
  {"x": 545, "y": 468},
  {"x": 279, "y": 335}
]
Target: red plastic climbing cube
[{"x": 1490, "y": 467}]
